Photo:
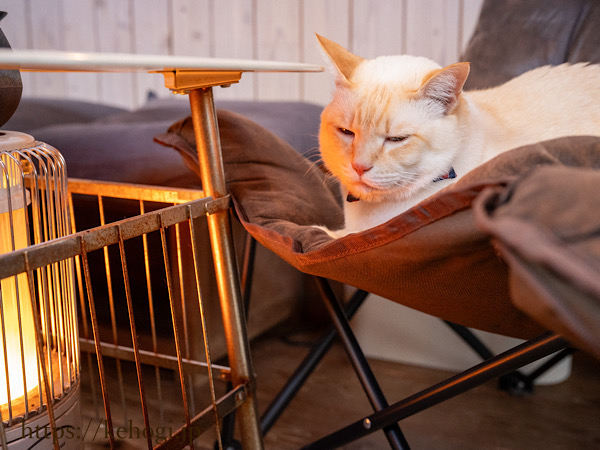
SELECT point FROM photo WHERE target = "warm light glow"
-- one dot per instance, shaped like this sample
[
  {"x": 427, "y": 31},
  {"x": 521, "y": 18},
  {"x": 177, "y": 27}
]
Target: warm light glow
[{"x": 17, "y": 338}]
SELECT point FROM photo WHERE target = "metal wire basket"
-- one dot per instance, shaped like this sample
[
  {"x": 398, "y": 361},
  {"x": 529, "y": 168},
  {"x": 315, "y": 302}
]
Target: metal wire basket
[{"x": 147, "y": 376}]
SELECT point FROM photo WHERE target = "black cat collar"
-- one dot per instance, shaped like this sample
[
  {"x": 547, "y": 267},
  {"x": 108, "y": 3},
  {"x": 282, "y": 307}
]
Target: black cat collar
[{"x": 451, "y": 174}]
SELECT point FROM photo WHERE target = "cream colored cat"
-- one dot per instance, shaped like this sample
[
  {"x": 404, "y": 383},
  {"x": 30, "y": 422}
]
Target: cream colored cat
[{"x": 397, "y": 123}]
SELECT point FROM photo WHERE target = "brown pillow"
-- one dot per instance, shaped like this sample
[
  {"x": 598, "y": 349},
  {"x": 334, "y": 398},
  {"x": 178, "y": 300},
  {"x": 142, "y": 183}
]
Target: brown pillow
[{"x": 432, "y": 258}]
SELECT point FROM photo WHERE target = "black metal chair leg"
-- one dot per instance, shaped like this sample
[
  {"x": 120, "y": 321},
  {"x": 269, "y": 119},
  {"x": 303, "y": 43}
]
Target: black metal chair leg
[
  {"x": 306, "y": 367},
  {"x": 227, "y": 430},
  {"x": 519, "y": 384},
  {"x": 473, "y": 341},
  {"x": 519, "y": 356},
  {"x": 248, "y": 270},
  {"x": 516, "y": 383},
  {"x": 370, "y": 385}
]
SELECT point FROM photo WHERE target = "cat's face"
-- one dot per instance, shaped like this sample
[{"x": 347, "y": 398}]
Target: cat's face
[{"x": 389, "y": 129}]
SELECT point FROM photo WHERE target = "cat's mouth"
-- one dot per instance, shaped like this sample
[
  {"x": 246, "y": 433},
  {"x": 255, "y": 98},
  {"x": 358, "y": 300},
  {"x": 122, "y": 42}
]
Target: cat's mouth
[{"x": 362, "y": 190}]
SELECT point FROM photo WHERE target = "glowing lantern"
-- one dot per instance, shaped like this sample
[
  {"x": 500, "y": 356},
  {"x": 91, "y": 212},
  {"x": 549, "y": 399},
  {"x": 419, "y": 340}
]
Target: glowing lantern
[{"x": 39, "y": 371}]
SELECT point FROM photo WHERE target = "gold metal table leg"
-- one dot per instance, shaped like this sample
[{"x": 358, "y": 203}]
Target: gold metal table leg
[{"x": 213, "y": 183}]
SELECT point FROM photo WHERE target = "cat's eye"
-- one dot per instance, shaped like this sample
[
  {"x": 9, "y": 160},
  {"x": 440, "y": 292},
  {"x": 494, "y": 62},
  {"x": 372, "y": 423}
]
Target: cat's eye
[
  {"x": 397, "y": 138},
  {"x": 346, "y": 131}
]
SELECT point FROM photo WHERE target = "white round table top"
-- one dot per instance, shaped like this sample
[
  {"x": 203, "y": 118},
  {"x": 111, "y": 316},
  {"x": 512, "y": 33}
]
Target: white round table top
[{"x": 50, "y": 60}]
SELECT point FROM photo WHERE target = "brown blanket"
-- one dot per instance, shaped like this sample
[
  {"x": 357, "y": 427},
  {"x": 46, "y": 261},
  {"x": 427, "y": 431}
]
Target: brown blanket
[
  {"x": 446, "y": 256},
  {"x": 547, "y": 227}
]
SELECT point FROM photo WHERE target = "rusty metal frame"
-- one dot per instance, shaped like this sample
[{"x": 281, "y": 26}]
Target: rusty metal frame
[
  {"x": 80, "y": 244},
  {"x": 216, "y": 207}
]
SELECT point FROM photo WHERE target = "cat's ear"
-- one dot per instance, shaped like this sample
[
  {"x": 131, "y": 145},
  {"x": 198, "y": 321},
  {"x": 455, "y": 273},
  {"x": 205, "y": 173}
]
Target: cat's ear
[
  {"x": 445, "y": 85},
  {"x": 344, "y": 61}
]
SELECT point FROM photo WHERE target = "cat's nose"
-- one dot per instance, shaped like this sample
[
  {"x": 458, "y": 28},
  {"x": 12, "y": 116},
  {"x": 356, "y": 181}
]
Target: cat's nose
[{"x": 361, "y": 169}]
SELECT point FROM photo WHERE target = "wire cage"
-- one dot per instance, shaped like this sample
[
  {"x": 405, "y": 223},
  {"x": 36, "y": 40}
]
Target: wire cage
[{"x": 147, "y": 376}]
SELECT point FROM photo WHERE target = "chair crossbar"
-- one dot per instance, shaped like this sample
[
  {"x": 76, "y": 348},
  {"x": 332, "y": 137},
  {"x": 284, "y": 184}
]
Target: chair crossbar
[{"x": 508, "y": 361}]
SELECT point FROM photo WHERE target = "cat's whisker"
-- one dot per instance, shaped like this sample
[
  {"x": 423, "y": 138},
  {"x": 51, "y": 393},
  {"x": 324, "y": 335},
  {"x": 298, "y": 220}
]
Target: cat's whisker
[
  {"x": 313, "y": 167},
  {"x": 329, "y": 179},
  {"x": 311, "y": 152}
]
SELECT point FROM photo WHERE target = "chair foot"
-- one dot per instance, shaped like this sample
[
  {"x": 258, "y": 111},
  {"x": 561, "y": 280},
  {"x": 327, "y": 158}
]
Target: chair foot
[
  {"x": 231, "y": 445},
  {"x": 515, "y": 383}
]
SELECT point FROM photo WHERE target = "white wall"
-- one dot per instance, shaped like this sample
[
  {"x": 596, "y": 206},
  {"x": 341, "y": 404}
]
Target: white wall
[{"x": 257, "y": 29}]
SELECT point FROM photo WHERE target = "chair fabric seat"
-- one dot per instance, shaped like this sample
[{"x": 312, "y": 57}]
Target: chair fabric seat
[{"x": 436, "y": 258}]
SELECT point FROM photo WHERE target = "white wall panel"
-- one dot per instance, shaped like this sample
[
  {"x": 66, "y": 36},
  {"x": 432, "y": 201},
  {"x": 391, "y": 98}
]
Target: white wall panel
[
  {"x": 16, "y": 26},
  {"x": 192, "y": 27},
  {"x": 46, "y": 34},
  {"x": 80, "y": 33},
  {"x": 152, "y": 35},
  {"x": 432, "y": 29},
  {"x": 378, "y": 27},
  {"x": 278, "y": 25},
  {"x": 330, "y": 19},
  {"x": 115, "y": 34},
  {"x": 234, "y": 25},
  {"x": 280, "y": 30}
]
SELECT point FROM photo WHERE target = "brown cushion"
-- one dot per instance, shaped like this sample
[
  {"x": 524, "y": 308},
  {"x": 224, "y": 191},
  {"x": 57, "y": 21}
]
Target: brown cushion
[{"x": 432, "y": 258}]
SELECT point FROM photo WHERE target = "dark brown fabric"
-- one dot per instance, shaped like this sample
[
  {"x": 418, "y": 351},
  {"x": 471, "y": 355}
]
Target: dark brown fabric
[
  {"x": 433, "y": 258},
  {"x": 514, "y": 36},
  {"x": 547, "y": 227}
]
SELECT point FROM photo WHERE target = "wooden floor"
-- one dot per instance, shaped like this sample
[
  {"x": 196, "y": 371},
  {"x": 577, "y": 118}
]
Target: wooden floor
[{"x": 563, "y": 416}]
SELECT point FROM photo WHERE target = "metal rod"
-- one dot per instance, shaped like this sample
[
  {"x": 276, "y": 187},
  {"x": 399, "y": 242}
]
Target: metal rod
[
  {"x": 508, "y": 361},
  {"x": 306, "y": 367},
  {"x": 134, "y": 191},
  {"x": 205, "y": 419},
  {"x": 3, "y": 443},
  {"x": 213, "y": 182},
  {"x": 152, "y": 316},
  {"x": 198, "y": 272},
  {"x": 43, "y": 363},
  {"x": 5, "y": 357},
  {"x": 184, "y": 315},
  {"x": 473, "y": 341},
  {"x": 370, "y": 385},
  {"x": 227, "y": 431},
  {"x": 507, "y": 381},
  {"x": 111, "y": 305},
  {"x": 152, "y": 358},
  {"x": 82, "y": 308},
  {"x": 248, "y": 271},
  {"x": 97, "y": 341},
  {"x": 97, "y": 238},
  {"x": 180, "y": 372},
  {"x": 549, "y": 364},
  {"x": 11, "y": 227},
  {"x": 134, "y": 339}
]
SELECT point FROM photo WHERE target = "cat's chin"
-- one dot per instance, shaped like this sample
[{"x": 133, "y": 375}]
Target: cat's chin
[
  {"x": 377, "y": 196},
  {"x": 365, "y": 193}
]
